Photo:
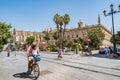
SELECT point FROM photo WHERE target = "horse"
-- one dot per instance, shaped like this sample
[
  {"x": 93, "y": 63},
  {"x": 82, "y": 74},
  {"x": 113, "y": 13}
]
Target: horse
[{"x": 86, "y": 51}]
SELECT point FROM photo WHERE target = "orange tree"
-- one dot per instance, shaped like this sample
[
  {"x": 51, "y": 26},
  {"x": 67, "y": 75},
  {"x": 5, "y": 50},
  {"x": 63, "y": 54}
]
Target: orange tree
[{"x": 96, "y": 37}]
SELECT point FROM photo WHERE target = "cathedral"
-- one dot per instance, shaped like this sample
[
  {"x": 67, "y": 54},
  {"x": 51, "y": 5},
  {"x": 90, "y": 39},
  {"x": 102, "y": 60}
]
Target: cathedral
[{"x": 19, "y": 36}]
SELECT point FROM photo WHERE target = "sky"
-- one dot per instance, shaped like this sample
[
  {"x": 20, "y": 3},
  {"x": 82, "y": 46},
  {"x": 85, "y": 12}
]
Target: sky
[{"x": 37, "y": 15}]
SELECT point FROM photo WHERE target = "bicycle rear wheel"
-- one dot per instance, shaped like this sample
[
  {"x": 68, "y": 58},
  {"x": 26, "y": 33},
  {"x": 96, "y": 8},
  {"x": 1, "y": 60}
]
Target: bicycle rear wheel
[{"x": 36, "y": 70}]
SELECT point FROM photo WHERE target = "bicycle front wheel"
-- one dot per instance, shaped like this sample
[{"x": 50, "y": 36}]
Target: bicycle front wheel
[{"x": 36, "y": 70}]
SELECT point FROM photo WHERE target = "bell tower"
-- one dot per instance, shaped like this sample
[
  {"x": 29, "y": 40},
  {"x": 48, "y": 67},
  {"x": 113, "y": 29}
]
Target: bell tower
[
  {"x": 80, "y": 24},
  {"x": 99, "y": 21}
]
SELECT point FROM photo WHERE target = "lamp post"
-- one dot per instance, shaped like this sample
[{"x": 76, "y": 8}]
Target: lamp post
[{"x": 112, "y": 12}]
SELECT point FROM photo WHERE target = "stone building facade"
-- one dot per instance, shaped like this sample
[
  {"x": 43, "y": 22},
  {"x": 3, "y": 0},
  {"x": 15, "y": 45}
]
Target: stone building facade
[
  {"x": 19, "y": 36},
  {"x": 82, "y": 31}
]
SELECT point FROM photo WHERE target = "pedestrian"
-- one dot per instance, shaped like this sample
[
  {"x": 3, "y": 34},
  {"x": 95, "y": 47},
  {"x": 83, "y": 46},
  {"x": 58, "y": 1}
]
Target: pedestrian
[
  {"x": 14, "y": 49},
  {"x": 110, "y": 51},
  {"x": 60, "y": 53},
  {"x": 106, "y": 51},
  {"x": 64, "y": 50},
  {"x": 8, "y": 53}
]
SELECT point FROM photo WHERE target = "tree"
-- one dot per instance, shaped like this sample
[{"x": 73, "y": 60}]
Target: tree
[
  {"x": 30, "y": 39},
  {"x": 96, "y": 37},
  {"x": 47, "y": 36},
  {"x": 55, "y": 35},
  {"x": 77, "y": 40},
  {"x": 56, "y": 20},
  {"x": 117, "y": 38},
  {"x": 69, "y": 43},
  {"x": 66, "y": 20},
  {"x": 5, "y": 34},
  {"x": 61, "y": 30},
  {"x": 59, "y": 21}
]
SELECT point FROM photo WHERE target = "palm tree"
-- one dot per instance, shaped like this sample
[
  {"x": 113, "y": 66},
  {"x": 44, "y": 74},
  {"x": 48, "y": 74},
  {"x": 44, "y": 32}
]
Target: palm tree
[
  {"x": 56, "y": 20},
  {"x": 60, "y": 23},
  {"x": 66, "y": 20}
]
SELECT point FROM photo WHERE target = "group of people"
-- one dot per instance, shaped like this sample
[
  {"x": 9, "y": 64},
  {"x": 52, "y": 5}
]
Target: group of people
[
  {"x": 9, "y": 49},
  {"x": 108, "y": 51}
]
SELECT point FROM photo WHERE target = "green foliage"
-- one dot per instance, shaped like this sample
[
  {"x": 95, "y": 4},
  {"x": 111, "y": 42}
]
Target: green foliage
[
  {"x": 30, "y": 39},
  {"x": 52, "y": 47},
  {"x": 117, "y": 38},
  {"x": 47, "y": 36},
  {"x": 66, "y": 19},
  {"x": 60, "y": 21},
  {"x": 68, "y": 37},
  {"x": 69, "y": 43},
  {"x": 77, "y": 40},
  {"x": 55, "y": 35},
  {"x": 5, "y": 34},
  {"x": 96, "y": 37},
  {"x": 56, "y": 20},
  {"x": 74, "y": 46}
]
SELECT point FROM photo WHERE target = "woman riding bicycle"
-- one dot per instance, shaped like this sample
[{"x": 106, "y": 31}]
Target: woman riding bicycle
[{"x": 32, "y": 51}]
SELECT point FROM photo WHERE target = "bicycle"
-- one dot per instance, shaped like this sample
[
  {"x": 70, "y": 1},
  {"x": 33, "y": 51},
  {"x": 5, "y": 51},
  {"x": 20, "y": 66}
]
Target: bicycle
[{"x": 35, "y": 67}]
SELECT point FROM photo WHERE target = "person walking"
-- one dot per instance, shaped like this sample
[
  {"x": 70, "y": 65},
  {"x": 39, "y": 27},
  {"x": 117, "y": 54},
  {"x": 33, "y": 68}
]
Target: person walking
[
  {"x": 8, "y": 52},
  {"x": 110, "y": 51},
  {"x": 60, "y": 53},
  {"x": 64, "y": 50},
  {"x": 106, "y": 51},
  {"x": 14, "y": 49}
]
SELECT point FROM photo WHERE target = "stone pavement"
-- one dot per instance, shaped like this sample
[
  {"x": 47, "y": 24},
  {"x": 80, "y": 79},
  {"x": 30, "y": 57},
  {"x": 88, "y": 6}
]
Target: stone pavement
[{"x": 71, "y": 67}]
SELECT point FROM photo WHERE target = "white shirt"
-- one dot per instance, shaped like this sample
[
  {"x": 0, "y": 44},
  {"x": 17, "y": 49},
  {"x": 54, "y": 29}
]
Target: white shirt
[{"x": 35, "y": 52}]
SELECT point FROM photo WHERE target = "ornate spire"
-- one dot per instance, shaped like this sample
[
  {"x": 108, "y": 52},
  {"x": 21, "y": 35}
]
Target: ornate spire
[
  {"x": 50, "y": 29},
  {"x": 99, "y": 22}
]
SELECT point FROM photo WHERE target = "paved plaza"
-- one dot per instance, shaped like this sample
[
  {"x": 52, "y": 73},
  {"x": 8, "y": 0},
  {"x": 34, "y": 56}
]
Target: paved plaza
[{"x": 71, "y": 67}]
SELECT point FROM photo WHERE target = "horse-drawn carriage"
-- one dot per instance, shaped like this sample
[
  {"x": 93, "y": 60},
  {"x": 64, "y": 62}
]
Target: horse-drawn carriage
[{"x": 86, "y": 50}]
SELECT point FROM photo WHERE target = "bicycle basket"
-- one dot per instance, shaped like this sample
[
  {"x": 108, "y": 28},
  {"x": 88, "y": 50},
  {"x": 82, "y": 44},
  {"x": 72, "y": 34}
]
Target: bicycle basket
[{"x": 36, "y": 58}]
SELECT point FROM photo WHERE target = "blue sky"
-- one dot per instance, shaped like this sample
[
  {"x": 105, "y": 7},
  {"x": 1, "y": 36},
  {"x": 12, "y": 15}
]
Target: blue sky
[{"x": 37, "y": 15}]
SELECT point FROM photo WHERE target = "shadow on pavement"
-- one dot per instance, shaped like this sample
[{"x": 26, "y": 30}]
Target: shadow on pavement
[
  {"x": 23, "y": 75},
  {"x": 105, "y": 56},
  {"x": 100, "y": 55}
]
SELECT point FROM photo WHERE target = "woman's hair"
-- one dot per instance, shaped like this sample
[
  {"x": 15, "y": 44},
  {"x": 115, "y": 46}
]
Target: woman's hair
[{"x": 33, "y": 46}]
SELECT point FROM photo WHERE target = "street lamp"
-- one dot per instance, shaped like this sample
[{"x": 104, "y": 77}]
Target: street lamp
[
  {"x": 111, "y": 13},
  {"x": 119, "y": 7}
]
